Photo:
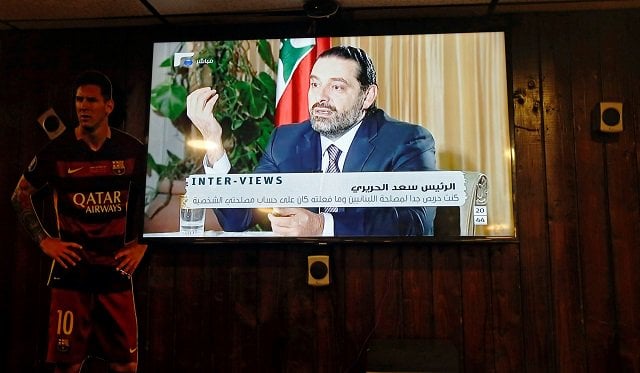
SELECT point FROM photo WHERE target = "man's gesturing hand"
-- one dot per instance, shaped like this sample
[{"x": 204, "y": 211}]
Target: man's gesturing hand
[{"x": 200, "y": 105}]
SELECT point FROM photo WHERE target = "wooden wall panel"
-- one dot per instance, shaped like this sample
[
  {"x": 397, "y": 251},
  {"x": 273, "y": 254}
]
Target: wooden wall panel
[
  {"x": 270, "y": 277},
  {"x": 359, "y": 307},
  {"x": 298, "y": 319},
  {"x": 242, "y": 309},
  {"x": 26, "y": 268},
  {"x": 156, "y": 318},
  {"x": 328, "y": 325},
  {"x": 190, "y": 298},
  {"x": 593, "y": 225},
  {"x": 417, "y": 292},
  {"x": 8, "y": 130},
  {"x": 477, "y": 310},
  {"x": 616, "y": 64},
  {"x": 539, "y": 345},
  {"x": 387, "y": 285},
  {"x": 507, "y": 308},
  {"x": 560, "y": 165},
  {"x": 626, "y": 240},
  {"x": 447, "y": 296},
  {"x": 220, "y": 311}
]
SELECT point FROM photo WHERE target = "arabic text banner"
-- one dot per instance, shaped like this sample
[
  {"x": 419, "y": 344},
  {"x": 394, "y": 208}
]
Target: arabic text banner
[{"x": 348, "y": 189}]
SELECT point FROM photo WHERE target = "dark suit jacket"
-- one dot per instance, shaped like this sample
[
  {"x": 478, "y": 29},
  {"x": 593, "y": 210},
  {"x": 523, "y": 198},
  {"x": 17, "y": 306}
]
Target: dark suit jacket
[{"x": 381, "y": 144}]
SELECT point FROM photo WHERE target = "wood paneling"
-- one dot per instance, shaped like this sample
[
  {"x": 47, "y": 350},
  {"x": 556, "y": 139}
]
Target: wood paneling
[
  {"x": 617, "y": 64},
  {"x": 562, "y": 204},
  {"x": 537, "y": 323},
  {"x": 565, "y": 296}
]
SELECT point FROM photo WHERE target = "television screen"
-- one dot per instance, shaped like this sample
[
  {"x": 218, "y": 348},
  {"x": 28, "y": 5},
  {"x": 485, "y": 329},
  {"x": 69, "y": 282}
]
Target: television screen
[{"x": 423, "y": 134}]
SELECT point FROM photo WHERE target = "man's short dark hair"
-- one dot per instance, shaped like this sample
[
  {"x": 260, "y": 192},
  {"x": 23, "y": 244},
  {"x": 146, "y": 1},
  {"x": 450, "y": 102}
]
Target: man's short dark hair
[
  {"x": 93, "y": 77},
  {"x": 367, "y": 74}
]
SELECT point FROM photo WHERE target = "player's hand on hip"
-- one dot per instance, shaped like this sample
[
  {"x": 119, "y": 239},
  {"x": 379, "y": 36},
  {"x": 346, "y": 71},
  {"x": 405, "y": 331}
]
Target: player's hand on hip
[
  {"x": 64, "y": 253},
  {"x": 129, "y": 257}
]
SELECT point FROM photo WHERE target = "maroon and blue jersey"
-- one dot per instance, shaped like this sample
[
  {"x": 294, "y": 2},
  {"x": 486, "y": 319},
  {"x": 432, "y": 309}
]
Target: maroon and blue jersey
[{"x": 96, "y": 194}]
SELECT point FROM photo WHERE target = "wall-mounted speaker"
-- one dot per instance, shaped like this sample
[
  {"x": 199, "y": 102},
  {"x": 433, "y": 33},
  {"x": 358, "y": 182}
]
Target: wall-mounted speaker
[
  {"x": 318, "y": 270},
  {"x": 610, "y": 120},
  {"x": 51, "y": 123}
]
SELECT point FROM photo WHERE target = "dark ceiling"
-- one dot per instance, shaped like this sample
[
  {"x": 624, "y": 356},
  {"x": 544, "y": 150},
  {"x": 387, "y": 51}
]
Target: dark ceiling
[{"x": 56, "y": 14}]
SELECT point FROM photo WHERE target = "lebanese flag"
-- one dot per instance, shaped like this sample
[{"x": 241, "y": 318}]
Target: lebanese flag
[{"x": 297, "y": 57}]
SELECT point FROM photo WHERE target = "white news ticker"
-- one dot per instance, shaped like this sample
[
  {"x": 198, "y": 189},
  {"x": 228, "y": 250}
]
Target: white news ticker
[{"x": 347, "y": 189}]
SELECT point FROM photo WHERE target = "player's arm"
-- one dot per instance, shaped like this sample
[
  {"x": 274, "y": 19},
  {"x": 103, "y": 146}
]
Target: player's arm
[
  {"x": 23, "y": 205},
  {"x": 62, "y": 252}
]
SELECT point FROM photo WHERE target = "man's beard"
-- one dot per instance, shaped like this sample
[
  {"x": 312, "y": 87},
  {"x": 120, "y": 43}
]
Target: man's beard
[{"x": 338, "y": 124}]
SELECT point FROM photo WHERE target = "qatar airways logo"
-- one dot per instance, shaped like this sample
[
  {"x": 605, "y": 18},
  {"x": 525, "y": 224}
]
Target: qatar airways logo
[{"x": 99, "y": 202}]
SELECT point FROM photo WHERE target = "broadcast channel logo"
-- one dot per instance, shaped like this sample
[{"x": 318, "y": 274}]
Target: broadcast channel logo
[{"x": 183, "y": 59}]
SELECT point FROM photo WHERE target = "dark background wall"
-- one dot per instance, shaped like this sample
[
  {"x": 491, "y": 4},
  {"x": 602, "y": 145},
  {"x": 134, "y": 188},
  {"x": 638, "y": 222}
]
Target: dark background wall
[{"x": 564, "y": 296}]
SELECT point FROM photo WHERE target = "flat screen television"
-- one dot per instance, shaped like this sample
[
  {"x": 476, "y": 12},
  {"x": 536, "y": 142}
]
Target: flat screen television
[{"x": 453, "y": 84}]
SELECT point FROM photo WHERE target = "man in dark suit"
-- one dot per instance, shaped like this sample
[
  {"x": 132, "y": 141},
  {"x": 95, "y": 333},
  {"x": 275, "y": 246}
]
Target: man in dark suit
[{"x": 345, "y": 123}]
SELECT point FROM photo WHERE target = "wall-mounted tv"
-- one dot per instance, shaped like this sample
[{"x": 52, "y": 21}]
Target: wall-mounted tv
[{"x": 429, "y": 158}]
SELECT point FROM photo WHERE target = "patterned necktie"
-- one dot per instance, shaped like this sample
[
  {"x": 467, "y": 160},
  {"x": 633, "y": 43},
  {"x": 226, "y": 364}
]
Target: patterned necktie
[{"x": 334, "y": 155}]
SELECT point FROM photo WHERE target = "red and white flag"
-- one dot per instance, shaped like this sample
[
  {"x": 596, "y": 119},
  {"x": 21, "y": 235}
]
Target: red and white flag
[{"x": 297, "y": 57}]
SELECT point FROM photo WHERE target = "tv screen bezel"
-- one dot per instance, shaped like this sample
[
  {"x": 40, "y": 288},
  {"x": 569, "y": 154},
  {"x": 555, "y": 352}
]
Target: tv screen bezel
[{"x": 342, "y": 28}]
